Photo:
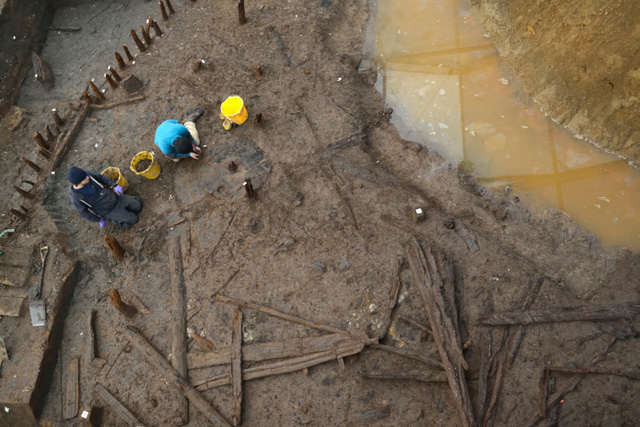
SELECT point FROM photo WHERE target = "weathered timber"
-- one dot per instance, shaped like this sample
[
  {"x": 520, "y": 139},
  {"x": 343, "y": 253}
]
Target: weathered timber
[
  {"x": 73, "y": 392},
  {"x": 178, "y": 325},
  {"x": 497, "y": 370},
  {"x": 481, "y": 397},
  {"x": 287, "y": 366},
  {"x": 275, "y": 313},
  {"x": 576, "y": 314},
  {"x": 42, "y": 71},
  {"x": 423, "y": 376},
  {"x": 571, "y": 384},
  {"x": 123, "y": 413},
  {"x": 161, "y": 366},
  {"x": 270, "y": 350},
  {"x": 92, "y": 358},
  {"x": 236, "y": 368},
  {"x": 395, "y": 287},
  {"x": 429, "y": 283},
  {"x": 634, "y": 375},
  {"x": 116, "y": 104},
  {"x": 525, "y": 304},
  {"x": 64, "y": 138},
  {"x": 204, "y": 344},
  {"x": 408, "y": 354}
]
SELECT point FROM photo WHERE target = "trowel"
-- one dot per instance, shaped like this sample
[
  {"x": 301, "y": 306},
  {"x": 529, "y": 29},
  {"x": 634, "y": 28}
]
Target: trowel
[{"x": 37, "y": 308}]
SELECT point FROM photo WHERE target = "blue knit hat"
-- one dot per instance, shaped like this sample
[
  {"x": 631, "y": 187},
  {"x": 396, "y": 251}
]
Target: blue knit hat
[{"x": 76, "y": 175}]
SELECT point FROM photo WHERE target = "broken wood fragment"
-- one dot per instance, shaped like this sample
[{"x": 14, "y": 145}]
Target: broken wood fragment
[
  {"x": 42, "y": 71},
  {"x": 156, "y": 28},
  {"x": 422, "y": 376},
  {"x": 576, "y": 314},
  {"x": 45, "y": 153},
  {"x": 161, "y": 366},
  {"x": 18, "y": 214},
  {"x": 345, "y": 349},
  {"x": 275, "y": 313},
  {"x": 40, "y": 141},
  {"x": 92, "y": 358},
  {"x": 72, "y": 391},
  {"x": 117, "y": 407},
  {"x": 429, "y": 282},
  {"x": 178, "y": 324},
  {"x": 126, "y": 309},
  {"x": 236, "y": 367},
  {"x": 204, "y": 344},
  {"x": 408, "y": 354}
]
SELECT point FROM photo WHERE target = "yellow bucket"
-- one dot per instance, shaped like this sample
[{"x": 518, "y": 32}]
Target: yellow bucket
[
  {"x": 152, "y": 171},
  {"x": 233, "y": 109},
  {"x": 114, "y": 173}
]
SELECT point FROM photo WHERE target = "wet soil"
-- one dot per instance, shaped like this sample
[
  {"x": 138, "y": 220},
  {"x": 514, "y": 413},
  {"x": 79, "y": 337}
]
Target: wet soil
[{"x": 324, "y": 239}]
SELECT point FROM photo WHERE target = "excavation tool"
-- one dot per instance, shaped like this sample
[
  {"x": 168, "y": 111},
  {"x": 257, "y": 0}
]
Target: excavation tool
[
  {"x": 8, "y": 230},
  {"x": 36, "y": 307}
]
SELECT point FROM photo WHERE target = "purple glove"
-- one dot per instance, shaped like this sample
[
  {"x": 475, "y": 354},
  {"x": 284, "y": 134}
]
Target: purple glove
[
  {"x": 118, "y": 190},
  {"x": 102, "y": 223}
]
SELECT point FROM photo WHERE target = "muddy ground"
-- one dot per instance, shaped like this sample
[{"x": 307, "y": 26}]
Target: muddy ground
[{"x": 325, "y": 238}]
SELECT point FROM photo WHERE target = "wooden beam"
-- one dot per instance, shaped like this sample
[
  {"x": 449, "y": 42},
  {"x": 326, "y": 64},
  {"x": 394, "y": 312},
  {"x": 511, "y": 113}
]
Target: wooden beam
[
  {"x": 162, "y": 367},
  {"x": 236, "y": 367},
  {"x": 422, "y": 376},
  {"x": 73, "y": 392},
  {"x": 576, "y": 314},
  {"x": 178, "y": 325},
  {"x": 117, "y": 407}
]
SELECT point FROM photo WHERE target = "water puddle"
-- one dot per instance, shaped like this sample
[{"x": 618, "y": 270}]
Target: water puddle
[{"x": 449, "y": 91}]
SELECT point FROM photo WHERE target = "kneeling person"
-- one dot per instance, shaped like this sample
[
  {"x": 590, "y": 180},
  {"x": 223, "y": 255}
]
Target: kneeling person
[
  {"x": 97, "y": 198},
  {"x": 178, "y": 141}
]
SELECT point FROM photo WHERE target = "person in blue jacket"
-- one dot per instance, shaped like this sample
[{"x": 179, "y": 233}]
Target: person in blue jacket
[
  {"x": 97, "y": 198},
  {"x": 178, "y": 141}
]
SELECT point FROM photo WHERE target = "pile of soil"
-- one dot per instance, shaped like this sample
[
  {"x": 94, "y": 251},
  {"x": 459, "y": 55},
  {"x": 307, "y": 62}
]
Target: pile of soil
[{"x": 143, "y": 165}]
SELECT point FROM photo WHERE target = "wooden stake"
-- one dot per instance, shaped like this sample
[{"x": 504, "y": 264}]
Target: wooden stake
[
  {"x": 161, "y": 366},
  {"x": 145, "y": 35},
  {"x": 50, "y": 134},
  {"x": 18, "y": 214},
  {"x": 120, "y": 61},
  {"x": 114, "y": 246},
  {"x": 86, "y": 97},
  {"x": 114, "y": 73},
  {"x": 40, "y": 141},
  {"x": 23, "y": 193},
  {"x": 109, "y": 80},
  {"x": 137, "y": 41},
  {"x": 236, "y": 367},
  {"x": 163, "y": 11},
  {"x": 31, "y": 164},
  {"x": 156, "y": 28},
  {"x": 242, "y": 19},
  {"x": 248, "y": 188},
  {"x": 74, "y": 126},
  {"x": 126, "y": 309},
  {"x": 127, "y": 52},
  {"x": 170, "y": 6},
  {"x": 178, "y": 325},
  {"x": 97, "y": 91},
  {"x": 44, "y": 153},
  {"x": 56, "y": 118}
]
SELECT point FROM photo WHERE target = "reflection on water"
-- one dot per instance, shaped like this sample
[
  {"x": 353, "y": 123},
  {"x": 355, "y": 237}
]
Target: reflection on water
[{"x": 444, "y": 80}]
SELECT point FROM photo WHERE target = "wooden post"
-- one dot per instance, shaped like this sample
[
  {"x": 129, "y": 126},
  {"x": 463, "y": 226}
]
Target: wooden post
[
  {"x": 126, "y": 309},
  {"x": 50, "y": 134},
  {"x": 31, "y": 164},
  {"x": 24, "y": 193},
  {"x": 242, "y": 19},
  {"x": 178, "y": 325},
  {"x": 248, "y": 188},
  {"x": 109, "y": 80},
  {"x": 40, "y": 141},
  {"x": 120, "y": 61},
  {"x": 97, "y": 91},
  {"x": 127, "y": 52},
  {"x": 163, "y": 11},
  {"x": 114, "y": 73},
  {"x": 137, "y": 41},
  {"x": 86, "y": 97},
  {"x": 161, "y": 366},
  {"x": 19, "y": 214},
  {"x": 114, "y": 246},
  {"x": 44, "y": 153},
  {"x": 56, "y": 118},
  {"x": 145, "y": 35},
  {"x": 156, "y": 28},
  {"x": 170, "y": 6},
  {"x": 236, "y": 367}
]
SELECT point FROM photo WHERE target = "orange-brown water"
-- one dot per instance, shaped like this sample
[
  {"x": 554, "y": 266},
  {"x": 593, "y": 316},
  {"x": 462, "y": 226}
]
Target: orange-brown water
[{"x": 450, "y": 92}]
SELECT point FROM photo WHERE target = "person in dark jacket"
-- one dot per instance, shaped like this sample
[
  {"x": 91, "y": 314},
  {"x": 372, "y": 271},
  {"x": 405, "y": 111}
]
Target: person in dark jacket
[{"x": 97, "y": 198}]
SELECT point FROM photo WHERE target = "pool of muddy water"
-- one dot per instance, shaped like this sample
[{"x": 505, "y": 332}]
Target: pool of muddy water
[{"x": 449, "y": 91}]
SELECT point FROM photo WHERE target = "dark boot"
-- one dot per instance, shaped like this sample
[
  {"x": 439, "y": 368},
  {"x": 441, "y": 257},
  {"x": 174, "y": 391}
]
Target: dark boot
[{"x": 193, "y": 115}]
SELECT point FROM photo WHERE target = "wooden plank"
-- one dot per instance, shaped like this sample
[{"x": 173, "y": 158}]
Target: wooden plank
[
  {"x": 13, "y": 275},
  {"x": 10, "y": 306},
  {"x": 91, "y": 355},
  {"x": 236, "y": 367},
  {"x": 72, "y": 394},
  {"x": 275, "y": 313},
  {"x": 117, "y": 407},
  {"x": 422, "y": 376},
  {"x": 178, "y": 326},
  {"x": 576, "y": 314},
  {"x": 162, "y": 367},
  {"x": 289, "y": 365},
  {"x": 269, "y": 350}
]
